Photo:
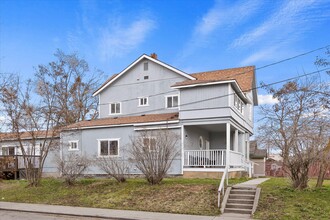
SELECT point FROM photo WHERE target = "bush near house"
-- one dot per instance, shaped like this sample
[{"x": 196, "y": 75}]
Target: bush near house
[{"x": 280, "y": 201}]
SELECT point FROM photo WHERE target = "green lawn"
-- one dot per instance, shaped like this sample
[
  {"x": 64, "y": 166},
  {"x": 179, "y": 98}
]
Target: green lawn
[
  {"x": 279, "y": 201},
  {"x": 174, "y": 195}
]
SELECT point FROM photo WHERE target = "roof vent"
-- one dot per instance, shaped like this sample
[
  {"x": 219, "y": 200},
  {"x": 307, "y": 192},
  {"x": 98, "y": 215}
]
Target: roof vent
[
  {"x": 154, "y": 55},
  {"x": 143, "y": 115}
]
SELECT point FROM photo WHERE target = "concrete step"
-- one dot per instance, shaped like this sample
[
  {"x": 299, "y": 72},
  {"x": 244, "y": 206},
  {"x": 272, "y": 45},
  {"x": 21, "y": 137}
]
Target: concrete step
[
  {"x": 241, "y": 196},
  {"x": 239, "y": 206},
  {"x": 240, "y": 201},
  {"x": 242, "y": 211},
  {"x": 240, "y": 191},
  {"x": 244, "y": 188}
]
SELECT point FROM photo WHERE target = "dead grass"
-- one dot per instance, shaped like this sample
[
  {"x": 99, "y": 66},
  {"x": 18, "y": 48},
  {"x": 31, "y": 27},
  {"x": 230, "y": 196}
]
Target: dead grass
[{"x": 173, "y": 195}]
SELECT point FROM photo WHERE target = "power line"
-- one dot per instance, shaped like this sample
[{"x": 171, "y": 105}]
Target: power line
[
  {"x": 241, "y": 73},
  {"x": 222, "y": 96}
]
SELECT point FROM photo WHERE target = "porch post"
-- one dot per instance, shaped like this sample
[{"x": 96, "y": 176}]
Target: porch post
[
  {"x": 236, "y": 140},
  {"x": 247, "y": 147},
  {"x": 227, "y": 144},
  {"x": 243, "y": 142},
  {"x": 182, "y": 148}
]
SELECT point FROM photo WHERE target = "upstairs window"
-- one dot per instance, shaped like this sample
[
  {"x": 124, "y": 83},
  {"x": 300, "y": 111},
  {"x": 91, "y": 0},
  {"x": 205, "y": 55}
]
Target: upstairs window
[
  {"x": 108, "y": 147},
  {"x": 172, "y": 101},
  {"x": 73, "y": 145},
  {"x": 145, "y": 66},
  {"x": 238, "y": 104},
  {"x": 143, "y": 101},
  {"x": 115, "y": 108}
]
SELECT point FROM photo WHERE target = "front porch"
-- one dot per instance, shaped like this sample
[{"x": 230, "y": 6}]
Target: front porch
[{"x": 215, "y": 147}]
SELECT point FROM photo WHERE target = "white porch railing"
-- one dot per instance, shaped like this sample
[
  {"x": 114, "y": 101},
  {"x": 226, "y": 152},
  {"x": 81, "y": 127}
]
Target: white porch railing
[
  {"x": 204, "y": 158},
  {"x": 236, "y": 159},
  {"x": 213, "y": 158}
]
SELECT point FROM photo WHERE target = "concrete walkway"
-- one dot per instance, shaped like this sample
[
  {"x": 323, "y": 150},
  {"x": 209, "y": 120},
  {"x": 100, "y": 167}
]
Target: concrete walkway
[
  {"x": 252, "y": 183},
  {"x": 121, "y": 214}
]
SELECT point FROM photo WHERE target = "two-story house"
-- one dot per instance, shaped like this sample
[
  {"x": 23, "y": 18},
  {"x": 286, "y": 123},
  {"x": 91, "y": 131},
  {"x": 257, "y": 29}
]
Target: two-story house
[{"x": 212, "y": 112}]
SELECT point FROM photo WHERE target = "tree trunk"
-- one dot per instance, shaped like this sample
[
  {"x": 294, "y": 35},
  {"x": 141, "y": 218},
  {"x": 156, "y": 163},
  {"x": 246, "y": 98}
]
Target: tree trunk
[{"x": 323, "y": 169}]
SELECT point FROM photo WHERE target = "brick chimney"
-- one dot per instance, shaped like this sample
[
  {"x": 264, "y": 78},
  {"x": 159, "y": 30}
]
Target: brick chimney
[{"x": 154, "y": 55}]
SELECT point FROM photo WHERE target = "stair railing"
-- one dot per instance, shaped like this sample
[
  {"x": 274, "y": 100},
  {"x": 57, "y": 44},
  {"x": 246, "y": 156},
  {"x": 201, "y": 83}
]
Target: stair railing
[{"x": 221, "y": 188}]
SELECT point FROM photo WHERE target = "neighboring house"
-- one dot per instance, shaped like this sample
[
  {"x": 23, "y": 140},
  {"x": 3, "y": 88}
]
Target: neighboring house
[
  {"x": 212, "y": 112},
  {"x": 258, "y": 157},
  {"x": 11, "y": 159},
  {"x": 274, "y": 166}
]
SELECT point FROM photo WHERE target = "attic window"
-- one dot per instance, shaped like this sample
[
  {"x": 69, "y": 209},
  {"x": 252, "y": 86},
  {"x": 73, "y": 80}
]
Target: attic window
[{"x": 145, "y": 66}]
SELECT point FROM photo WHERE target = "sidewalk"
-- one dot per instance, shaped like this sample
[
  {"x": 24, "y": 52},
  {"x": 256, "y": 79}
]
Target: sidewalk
[
  {"x": 96, "y": 212},
  {"x": 121, "y": 214}
]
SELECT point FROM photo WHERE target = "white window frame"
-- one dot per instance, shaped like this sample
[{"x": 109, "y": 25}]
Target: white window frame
[
  {"x": 239, "y": 104},
  {"x": 7, "y": 149},
  {"x": 110, "y": 139},
  {"x": 166, "y": 103},
  {"x": 149, "y": 138},
  {"x": 116, "y": 103},
  {"x": 142, "y": 98},
  {"x": 145, "y": 64},
  {"x": 73, "y": 142}
]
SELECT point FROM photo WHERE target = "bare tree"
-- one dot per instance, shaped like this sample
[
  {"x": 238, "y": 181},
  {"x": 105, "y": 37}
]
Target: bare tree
[
  {"x": 114, "y": 167},
  {"x": 324, "y": 158},
  {"x": 153, "y": 153},
  {"x": 297, "y": 125},
  {"x": 72, "y": 166},
  {"x": 32, "y": 124},
  {"x": 71, "y": 82}
]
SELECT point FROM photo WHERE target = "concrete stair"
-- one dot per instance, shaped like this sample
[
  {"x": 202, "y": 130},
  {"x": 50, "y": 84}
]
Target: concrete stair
[{"x": 240, "y": 200}]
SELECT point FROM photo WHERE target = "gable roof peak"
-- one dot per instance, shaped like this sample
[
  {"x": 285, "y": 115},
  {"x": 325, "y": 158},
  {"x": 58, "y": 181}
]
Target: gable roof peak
[{"x": 143, "y": 56}]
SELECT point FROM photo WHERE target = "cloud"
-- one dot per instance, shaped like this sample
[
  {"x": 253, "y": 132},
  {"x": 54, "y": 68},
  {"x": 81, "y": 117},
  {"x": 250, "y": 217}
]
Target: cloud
[
  {"x": 288, "y": 22},
  {"x": 119, "y": 40},
  {"x": 218, "y": 18},
  {"x": 261, "y": 55},
  {"x": 266, "y": 99}
]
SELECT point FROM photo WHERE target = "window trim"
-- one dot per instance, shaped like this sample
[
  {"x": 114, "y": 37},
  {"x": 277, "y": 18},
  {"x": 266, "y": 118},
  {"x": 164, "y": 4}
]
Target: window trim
[
  {"x": 7, "y": 148},
  {"x": 120, "y": 110},
  {"x": 70, "y": 145},
  {"x": 166, "y": 102},
  {"x": 145, "y": 64},
  {"x": 139, "y": 101},
  {"x": 238, "y": 104},
  {"x": 107, "y": 139},
  {"x": 149, "y": 138}
]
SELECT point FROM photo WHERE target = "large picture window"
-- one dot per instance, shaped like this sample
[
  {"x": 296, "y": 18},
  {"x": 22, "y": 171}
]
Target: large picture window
[
  {"x": 108, "y": 147},
  {"x": 172, "y": 101},
  {"x": 115, "y": 108}
]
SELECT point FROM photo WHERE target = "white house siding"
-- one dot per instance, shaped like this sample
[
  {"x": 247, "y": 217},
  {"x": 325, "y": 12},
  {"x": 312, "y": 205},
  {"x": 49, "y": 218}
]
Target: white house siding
[
  {"x": 88, "y": 145},
  {"x": 132, "y": 85}
]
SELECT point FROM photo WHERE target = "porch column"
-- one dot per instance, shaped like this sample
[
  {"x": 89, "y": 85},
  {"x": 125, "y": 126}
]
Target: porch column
[
  {"x": 247, "y": 147},
  {"x": 243, "y": 143},
  {"x": 236, "y": 140},
  {"x": 227, "y": 143},
  {"x": 182, "y": 148}
]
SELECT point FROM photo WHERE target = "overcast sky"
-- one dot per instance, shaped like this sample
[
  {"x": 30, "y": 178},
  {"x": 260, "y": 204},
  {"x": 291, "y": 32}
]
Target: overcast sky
[{"x": 192, "y": 35}]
